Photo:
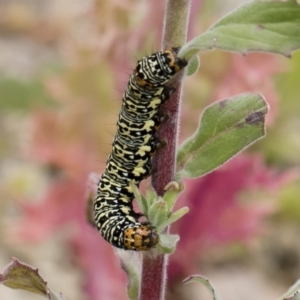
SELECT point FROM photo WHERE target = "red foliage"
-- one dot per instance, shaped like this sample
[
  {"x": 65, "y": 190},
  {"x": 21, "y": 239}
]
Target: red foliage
[
  {"x": 63, "y": 208},
  {"x": 252, "y": 73},
  {"x": 217, "y": 216}
]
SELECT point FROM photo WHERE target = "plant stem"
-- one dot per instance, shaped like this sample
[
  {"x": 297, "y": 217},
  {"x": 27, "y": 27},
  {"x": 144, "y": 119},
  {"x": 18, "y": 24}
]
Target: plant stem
[
  {"x": 175, "y": 23},
  {"x": 174, "y": 34}
]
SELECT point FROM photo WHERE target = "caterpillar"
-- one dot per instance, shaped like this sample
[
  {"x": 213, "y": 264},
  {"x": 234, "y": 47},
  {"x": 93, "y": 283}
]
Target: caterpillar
[{"x": 132, "y": 149}]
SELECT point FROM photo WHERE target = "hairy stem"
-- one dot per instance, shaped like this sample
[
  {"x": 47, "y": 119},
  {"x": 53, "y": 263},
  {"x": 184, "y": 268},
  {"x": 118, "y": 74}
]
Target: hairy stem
[{"x": 174, "y": 34}]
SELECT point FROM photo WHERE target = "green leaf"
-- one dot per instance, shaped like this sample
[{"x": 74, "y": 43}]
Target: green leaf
[
  {"x": 193, "y": 66},
  {"x": 174, "y": 217},
  {"x": 18, "y": 275},
  {"x": 167, "y": 242},
  {"x": 142, "y": 202},
  {"x": 171, "y": 196},
  {"x": 270, "y": 26},
  {"x": 151, "y": 196},
  {"x": 295, "y": 296},
  {"x": 226, "y": 128},
  {"x": 131, "y": 264},
  {"x": 158, "y": 212},
  {"x": 206, "y": 282},
  {"x": 292, "y": 293}
]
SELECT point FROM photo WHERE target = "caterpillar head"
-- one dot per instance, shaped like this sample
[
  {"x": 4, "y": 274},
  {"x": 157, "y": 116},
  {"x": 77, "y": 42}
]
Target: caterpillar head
[
  {"x": 140, "y": 238},
  {"x": 157, "y": 69}
]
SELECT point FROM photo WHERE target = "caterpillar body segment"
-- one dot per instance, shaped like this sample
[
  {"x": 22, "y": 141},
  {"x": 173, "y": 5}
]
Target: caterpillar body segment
[{"x": 133, "y": 146}]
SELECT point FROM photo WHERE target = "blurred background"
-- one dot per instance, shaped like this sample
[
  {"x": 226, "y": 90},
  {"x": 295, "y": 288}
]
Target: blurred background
[{"x": 63, "y": 67}]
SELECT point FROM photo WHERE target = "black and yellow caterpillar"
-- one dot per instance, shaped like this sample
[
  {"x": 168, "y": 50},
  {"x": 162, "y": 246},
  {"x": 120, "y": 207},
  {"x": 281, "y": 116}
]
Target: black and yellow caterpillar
[{"x": 133, "y": 146}]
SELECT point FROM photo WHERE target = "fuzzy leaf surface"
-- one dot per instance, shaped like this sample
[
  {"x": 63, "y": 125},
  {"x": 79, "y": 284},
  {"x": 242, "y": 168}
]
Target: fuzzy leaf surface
[
  {"x": 168, "y": 242},
  {"x": 131, "y": 264},
  {"x": 293, "y": 292},
  {"x": 158, "y": 212},
  {"x": 193, "y": 65},
  {"x": 269, "y": 26},
  {"x": 206, "y": 282},
  {"x": 226, "y": 127},
  {"x": 18, "y": 275},
  {"x": 178, "y": 214}
]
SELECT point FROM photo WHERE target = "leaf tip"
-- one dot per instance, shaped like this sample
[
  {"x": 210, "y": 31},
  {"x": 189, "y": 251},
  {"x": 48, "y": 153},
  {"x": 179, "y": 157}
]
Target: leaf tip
[
  {"x": 255, "y": 118},
  {"x": 288, "y": 54},
  {"x": 174, "y": 186}
]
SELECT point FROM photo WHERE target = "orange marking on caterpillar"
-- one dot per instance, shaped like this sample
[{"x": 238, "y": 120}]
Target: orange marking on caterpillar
[{"x": 141, "y": 238}]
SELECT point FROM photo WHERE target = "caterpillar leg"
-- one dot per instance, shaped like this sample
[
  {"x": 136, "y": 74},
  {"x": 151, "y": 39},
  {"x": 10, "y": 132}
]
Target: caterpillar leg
[
  {"x": 160, "y": 118},
  {"x": 138, "y": 215},
  {"x": 157, "y": 144},
  {"x": 167, "y": 93}
]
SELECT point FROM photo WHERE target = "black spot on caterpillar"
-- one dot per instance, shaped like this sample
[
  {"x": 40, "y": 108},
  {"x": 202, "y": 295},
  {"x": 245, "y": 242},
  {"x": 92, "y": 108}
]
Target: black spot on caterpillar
[{"x": 133, "y": 146}]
